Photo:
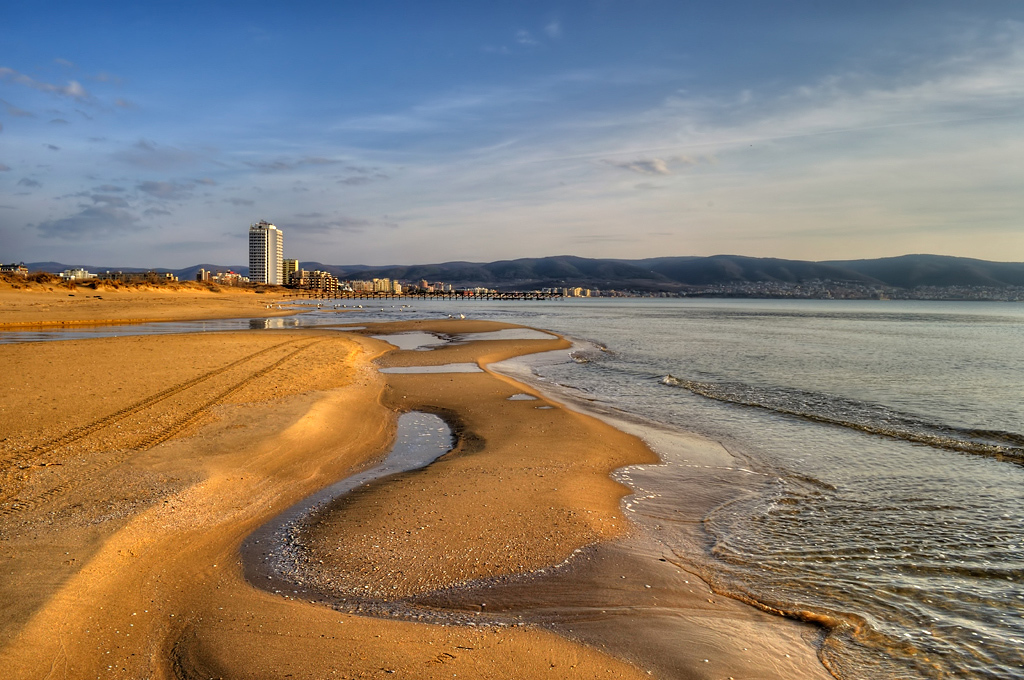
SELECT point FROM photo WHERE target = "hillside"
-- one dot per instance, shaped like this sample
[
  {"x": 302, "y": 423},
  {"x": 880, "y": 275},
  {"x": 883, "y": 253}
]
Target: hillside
[
  {"x": 662, "y": 273},
  {"x": 679, "y": 273}
]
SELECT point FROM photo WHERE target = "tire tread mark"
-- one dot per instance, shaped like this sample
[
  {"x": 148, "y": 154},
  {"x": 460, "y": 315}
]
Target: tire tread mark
[
  {"x": 85, "y": 430},
  {"x": 22, "y": 505}
]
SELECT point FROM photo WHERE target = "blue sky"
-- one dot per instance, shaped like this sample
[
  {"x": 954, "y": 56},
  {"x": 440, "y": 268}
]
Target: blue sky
[{"x": 153, "y": 133}]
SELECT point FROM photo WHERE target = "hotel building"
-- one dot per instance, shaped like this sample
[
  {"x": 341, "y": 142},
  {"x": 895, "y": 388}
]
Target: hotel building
[
  {"x": 290, "y": 267},
  {"x": 266, "y": 254}
]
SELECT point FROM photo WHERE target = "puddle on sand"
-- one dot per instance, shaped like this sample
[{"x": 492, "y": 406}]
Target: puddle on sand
[
  {"x": 522, "y": 397},
  {"x": 269, "y": 554},
  {"x": 443, "y": 368},
  {"x": 414, "y": 340},
  {"x": 506, "y": 334}
]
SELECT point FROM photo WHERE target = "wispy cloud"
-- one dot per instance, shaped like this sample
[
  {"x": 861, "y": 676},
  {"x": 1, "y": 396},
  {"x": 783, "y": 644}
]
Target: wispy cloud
[
  {"x": 553, "y": 29},
  {"x": 654, "y": 166},
  {"x": 150, "y": 155},
  {"x": 362, "y": 175},
  {"x": 28, "y": 182},
  {"x": 103, "y": 77},
  {"x": 239, "y": 201},
  {"x": 284, "y": 165},
  {"x": 343, "y": 224},
  {"x": 73, "y": 89},
  {"x": 649, "y": 166},
  {"x": 107, "y": 199},
  {"x": 13, "y": 110},
  {"x": 523, "y": 37},
  {"x": 167, "y": 191},
  {"x": 4, "y": 168},
  {"x": 90, "y": 222}
]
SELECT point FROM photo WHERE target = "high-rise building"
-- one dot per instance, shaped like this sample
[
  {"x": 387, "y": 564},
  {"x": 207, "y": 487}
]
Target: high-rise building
[
  {"x": 290, "y": 267},
  {"x": 266, "y": 254}
]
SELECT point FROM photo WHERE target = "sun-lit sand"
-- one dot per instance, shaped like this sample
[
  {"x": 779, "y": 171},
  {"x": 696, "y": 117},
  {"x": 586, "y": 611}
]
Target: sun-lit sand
[
  {"x": 30, "y": 305},
  {"x": 133, "y": 468}
]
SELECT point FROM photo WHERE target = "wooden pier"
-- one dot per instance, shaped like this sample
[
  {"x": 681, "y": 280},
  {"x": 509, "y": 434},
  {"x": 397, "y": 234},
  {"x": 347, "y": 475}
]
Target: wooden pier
[{"x": 455, "y": 295}]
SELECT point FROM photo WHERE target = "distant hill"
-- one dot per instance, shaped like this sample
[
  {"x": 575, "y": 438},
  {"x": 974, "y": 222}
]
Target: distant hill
[
  {"x": 909, "y": 271},
  {"x": 660, "y": 273},
  {"x": 703, "y": 271},
  {"x": 524, "y": 273},
  {"x": 679, "y": 273}
]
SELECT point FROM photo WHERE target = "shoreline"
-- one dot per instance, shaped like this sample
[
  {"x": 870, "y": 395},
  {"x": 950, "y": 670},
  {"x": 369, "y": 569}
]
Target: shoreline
[
  {"x": 225, "y": 471},
  {"x": 777, "y": 644}
]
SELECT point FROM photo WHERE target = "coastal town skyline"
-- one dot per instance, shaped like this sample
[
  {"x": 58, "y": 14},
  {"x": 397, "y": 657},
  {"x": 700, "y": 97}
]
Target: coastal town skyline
[{"x": 403, "y": 134}]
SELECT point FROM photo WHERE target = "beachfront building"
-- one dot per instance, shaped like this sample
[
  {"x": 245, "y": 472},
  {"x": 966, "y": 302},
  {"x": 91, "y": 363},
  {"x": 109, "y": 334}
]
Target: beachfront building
[
  {"x": 323, "y": 283},
  {"x": 288, "y": 267},
  {"x": 14, "y": 269},
  {"x": 138, "y": 277},
  {"x": 266, "y": 254},
  {"x": 76, "y": 275},
  {"x": 375, "y": 286}
]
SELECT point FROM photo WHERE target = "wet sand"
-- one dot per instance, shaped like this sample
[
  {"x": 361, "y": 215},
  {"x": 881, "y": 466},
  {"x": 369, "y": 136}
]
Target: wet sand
[{"x": 134, "y": 468}]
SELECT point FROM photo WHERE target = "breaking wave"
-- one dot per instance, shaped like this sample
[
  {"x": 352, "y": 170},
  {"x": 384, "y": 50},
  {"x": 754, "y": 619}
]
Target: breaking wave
[{"x": 865, "y": 417}]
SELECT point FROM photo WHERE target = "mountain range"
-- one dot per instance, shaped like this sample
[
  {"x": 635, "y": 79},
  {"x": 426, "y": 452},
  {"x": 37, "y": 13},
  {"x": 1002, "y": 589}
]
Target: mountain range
[{"x": 660, "y": 273}]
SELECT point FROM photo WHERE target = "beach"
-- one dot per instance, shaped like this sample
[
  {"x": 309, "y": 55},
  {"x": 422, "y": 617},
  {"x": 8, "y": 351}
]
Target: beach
[
  {"x": 44, "y": 305},
  {"x": 134, "y": 468}
]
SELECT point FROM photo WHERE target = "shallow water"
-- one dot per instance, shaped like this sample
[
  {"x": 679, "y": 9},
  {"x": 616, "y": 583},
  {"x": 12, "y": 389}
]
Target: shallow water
[
  {"x": 440, "y": 368},
  {"x": 505, "y": 334},
  {"x": 907, "y": 546},
  {"x": 269, "y": 554},
  {"x": 413, "y": 341}
]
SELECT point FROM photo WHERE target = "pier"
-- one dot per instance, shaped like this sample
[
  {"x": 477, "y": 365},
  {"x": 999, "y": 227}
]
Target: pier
[{"x": 449, "y": 295}]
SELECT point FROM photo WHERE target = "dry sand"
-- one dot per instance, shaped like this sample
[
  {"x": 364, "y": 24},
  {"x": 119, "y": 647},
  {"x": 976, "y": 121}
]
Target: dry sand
[
  {"x": 37, "y": 305},
  {"x": 133, "y": 468}
]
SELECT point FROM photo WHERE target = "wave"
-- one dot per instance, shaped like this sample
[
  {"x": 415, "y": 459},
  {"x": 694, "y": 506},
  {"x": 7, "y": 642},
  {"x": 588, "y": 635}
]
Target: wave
[
  {"x": 589, "y": 352},
  {"x": 864, "y": 417}
]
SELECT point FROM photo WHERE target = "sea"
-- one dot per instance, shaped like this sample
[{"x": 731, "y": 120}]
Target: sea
[{"x": 884, "y": 442}]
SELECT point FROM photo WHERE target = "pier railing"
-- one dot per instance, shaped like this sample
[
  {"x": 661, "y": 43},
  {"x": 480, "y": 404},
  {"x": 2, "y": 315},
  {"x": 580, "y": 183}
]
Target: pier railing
[{"x": 453, "y": 295}]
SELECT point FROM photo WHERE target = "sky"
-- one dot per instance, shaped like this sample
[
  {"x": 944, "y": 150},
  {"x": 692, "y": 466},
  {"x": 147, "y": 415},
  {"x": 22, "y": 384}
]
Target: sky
[{"x": 152, "y": 134}]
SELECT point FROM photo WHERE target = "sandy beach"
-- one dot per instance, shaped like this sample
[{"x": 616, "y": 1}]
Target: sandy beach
[
  {"x": 133, "y": 468},
  {"x": 42, "y": 305}
]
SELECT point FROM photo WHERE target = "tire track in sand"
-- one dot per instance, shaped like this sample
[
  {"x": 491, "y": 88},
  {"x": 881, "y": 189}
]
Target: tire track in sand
[{"x": 21, "y": 505}]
